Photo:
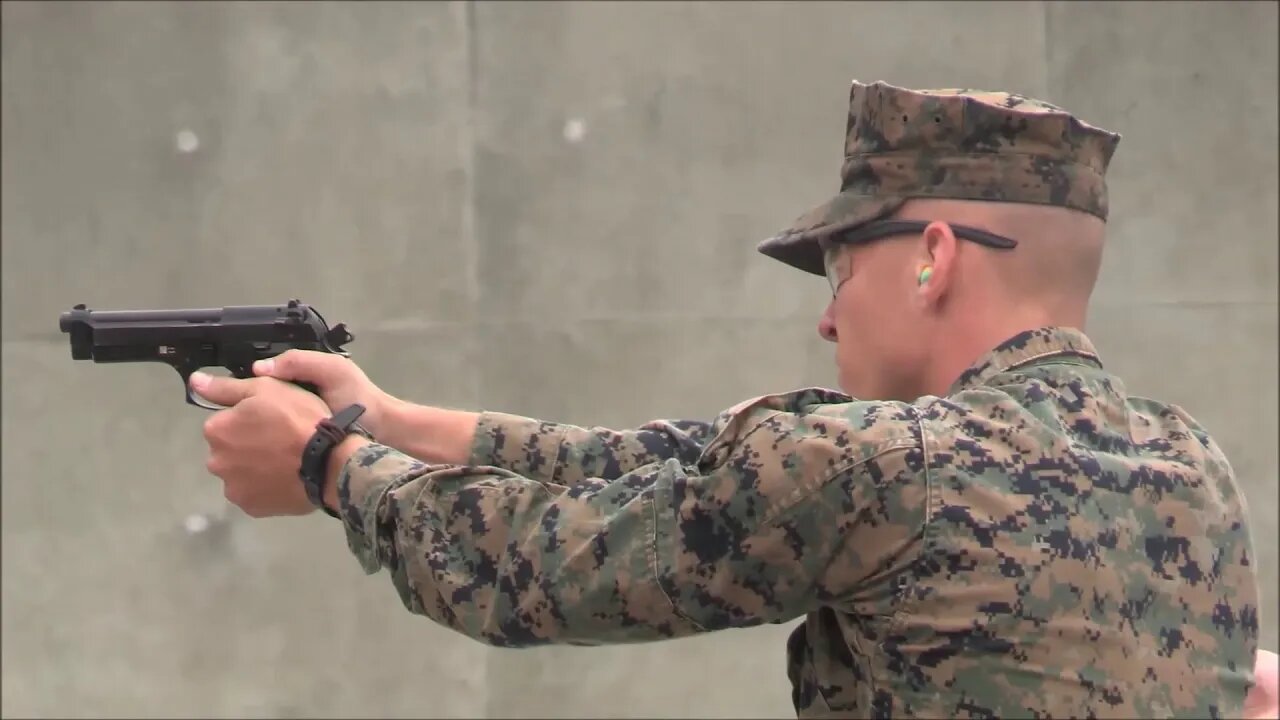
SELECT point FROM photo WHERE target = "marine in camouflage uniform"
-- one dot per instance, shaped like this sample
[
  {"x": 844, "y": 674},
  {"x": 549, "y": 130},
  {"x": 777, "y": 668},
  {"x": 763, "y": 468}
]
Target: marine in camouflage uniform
[{"x": 1037, "y": 542}]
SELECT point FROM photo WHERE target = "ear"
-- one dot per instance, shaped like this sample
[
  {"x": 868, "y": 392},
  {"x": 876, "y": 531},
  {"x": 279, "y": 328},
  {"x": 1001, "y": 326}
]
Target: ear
[{"x": 937, "y": 254}]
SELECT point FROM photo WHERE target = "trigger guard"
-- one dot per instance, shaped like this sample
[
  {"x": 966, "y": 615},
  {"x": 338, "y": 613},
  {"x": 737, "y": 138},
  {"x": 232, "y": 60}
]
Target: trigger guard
[{"x": 192, "y": 397}]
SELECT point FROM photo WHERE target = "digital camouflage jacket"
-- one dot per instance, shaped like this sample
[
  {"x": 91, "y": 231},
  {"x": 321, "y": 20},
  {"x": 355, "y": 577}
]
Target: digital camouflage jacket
[{"x": 1036, "y": 543}]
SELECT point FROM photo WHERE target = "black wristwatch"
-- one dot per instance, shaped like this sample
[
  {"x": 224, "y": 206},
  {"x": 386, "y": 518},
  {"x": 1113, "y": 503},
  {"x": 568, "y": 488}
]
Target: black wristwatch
[{"x": 330, "y": 432}]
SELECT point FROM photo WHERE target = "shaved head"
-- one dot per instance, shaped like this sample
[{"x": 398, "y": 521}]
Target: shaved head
[
  {"x": 901, "y": 334},
  {"x": 1002, "y": 232},
  {"x": 1054, "y": 267}
]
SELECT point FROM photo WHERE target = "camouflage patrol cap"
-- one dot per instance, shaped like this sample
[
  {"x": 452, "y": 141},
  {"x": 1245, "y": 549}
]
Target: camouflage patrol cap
[{"x": 959, "y": 144}]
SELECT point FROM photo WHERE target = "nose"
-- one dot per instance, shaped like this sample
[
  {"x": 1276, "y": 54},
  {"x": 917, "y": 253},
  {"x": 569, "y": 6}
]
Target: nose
[{"x": 827, "y": 323}]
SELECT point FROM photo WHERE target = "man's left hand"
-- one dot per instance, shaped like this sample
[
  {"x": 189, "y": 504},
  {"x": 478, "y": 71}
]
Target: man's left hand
[{"x": 255, "y": 445}]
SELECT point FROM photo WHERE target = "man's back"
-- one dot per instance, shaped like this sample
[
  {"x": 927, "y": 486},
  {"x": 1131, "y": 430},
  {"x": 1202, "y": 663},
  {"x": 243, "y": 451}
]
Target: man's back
[{"x": 1083, "y": 553}]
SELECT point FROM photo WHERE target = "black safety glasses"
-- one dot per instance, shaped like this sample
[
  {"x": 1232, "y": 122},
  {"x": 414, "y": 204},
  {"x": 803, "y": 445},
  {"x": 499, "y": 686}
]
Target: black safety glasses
[{"x": 887, "y": 228}]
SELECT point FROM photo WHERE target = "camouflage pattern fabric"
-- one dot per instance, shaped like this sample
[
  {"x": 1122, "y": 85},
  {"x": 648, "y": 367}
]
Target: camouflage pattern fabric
[
  {"x": 1037, "y": 543},
  {"x": 958, "y": 144}
]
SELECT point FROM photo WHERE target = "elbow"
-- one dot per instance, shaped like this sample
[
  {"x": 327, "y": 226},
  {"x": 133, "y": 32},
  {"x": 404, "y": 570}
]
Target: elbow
[
  {"x": 503, "y": 638},
  {"x": 512, "y": 629},
  {"x": 496, "y": 623},
  {"x": 485, "y": 627},
  {"x": 516, "y": 616}
]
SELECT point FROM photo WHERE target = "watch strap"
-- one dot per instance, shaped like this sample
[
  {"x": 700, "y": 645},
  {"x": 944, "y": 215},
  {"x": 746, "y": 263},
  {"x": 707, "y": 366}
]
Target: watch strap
[{"x": 329, "y": 433}]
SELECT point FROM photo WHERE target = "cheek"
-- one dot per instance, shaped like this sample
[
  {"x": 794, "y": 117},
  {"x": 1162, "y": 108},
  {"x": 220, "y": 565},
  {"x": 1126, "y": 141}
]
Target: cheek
[
  {"x": 872, "y": 323},
  {"x": 864, "y": 313},
  {"x": 860, "y": 327}
]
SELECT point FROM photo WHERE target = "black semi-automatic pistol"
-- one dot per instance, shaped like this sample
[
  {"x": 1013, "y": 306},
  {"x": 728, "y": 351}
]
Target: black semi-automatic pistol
[{"x": 187, "y": 340}]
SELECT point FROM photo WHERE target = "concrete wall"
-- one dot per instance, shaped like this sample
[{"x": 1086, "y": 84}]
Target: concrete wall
[{"x": 548, "y": 209}]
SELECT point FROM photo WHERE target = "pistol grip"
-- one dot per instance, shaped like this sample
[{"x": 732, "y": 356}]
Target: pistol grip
[{"x": 308, "y": 387}]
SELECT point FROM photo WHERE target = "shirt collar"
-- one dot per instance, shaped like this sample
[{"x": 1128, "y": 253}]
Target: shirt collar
[{"x": 1027, "y": 347}]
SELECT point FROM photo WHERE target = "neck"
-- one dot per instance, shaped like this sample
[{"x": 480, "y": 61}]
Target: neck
[{"x": 962, "y": 345}]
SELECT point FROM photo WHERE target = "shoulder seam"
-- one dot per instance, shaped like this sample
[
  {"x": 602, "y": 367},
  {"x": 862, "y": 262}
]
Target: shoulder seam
[
  {"x": 655, "y": 571},
  {"x": 558, "y": 462},
  {"x": 909, "y": 574}
]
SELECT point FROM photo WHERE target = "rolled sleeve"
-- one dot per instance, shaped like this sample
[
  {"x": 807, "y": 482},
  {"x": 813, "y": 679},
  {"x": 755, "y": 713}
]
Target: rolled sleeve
[
  {"x": 369, "y": 474},
  {"x": 521, "y": 445}
]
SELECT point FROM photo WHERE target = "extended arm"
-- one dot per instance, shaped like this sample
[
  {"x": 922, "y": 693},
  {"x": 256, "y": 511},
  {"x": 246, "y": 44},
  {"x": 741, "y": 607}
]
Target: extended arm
[
  {"x": 782, "y": 513},
  {"x": 542, "y": 451}
]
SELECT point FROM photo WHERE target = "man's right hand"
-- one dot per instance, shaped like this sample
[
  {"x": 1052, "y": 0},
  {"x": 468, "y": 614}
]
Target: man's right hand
[
  {"x": 340, "y": 381},
  {"x": 432, "y": 435}
]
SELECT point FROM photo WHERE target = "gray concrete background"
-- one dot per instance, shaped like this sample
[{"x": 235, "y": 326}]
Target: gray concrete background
[{"x": 548, "y": 209}]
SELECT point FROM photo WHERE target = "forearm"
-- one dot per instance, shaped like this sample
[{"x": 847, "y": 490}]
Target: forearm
[
  {"x": 430, "y": 434},
  {"x": 544, "y": 451}
]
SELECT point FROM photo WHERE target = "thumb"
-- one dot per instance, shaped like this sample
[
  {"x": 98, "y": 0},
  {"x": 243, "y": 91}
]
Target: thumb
[
  {"x": 221, "y": 390},
  {"x": 318, "y": 368}
]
